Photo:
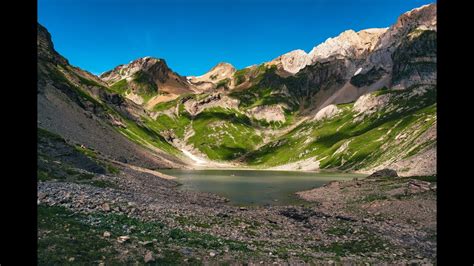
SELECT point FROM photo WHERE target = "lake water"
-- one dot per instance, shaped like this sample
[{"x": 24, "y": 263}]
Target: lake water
[{"x": 254, "y": 187}]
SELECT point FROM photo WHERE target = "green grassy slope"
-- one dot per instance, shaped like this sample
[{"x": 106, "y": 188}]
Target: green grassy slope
[
  {"x": 78, "y": 88},
  {"x": 344, "y": 142},
  {"x": 221, "y": 134}
]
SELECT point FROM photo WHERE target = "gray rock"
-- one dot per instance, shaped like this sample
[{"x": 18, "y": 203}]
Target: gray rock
[
  {"x": 187, "y": 251},
  {"x": 122, "y": 239},
  {"x": 149, "y": 257},
  {"x": 384, "y": 173},
  {"x": 106, "y": 207}
]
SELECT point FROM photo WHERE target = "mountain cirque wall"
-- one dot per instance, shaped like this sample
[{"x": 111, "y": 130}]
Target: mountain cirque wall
[{"x": 357, "y": 102}]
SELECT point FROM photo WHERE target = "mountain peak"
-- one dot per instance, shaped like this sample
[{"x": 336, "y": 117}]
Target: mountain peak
[
  {"x": 217, "y": 73},
  {"x": 221, "y": 65},
  {"x": 128, "y": 70},
  {"x": 421, "y": 16},
  {"x": 348, "y": 44},
  {"x": 46, "y": 49},
  {"x": 291, "y": 62}
]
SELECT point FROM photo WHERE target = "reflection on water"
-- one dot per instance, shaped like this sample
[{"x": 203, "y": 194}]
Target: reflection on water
[{"x": 253, "y": 187}]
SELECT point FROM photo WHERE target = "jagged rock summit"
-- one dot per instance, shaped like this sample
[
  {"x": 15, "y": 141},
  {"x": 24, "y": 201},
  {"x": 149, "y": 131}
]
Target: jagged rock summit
[
  {"x": 291, "y": 62},
  {"x": 348, "y": 44},
  {"x": 147, "y": 81},
  {"x": 247, "y": 115}
]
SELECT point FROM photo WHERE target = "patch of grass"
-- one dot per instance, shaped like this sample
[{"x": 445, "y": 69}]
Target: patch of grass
[
  {"x": 187, "y": 220},
  {"x": 339, "y": 230},
  {"x": 365, "y": 244},
  {"x": 93, "y": 155},
  {"x": 223, "y": 83},
  {"x": 89, "y": 82},
  {"x": 420, "y": 147},
  {"x": 165, "y": 105},
  {"x": 86, "y": 151},
  {"x": 111, "y": 169},
  {"x": 431, "y": 178},
  {"x": 147, "y": 87},
  {"x": 223, "y": 134},
  {"x": 164, "y": 122},
  {"x": 43, "y": 175},
  {"x": 43, "y": 133},
  {"x": 146, "y": 136},
  {"x": 373, "y": 197},
  {"x": 120, "y": 86},
  {"x": 63, "y": 234},
  {"x": 240, "y": 76}
]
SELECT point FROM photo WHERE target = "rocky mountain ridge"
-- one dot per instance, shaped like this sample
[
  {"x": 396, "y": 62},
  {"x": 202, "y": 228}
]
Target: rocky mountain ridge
[
  {"x": 103, "y": 142},
  {"x": 244, "y": 117}
]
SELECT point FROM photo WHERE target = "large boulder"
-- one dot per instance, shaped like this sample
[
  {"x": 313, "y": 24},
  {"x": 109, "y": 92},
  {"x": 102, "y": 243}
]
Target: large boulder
[{"x": 384, "y": 173}]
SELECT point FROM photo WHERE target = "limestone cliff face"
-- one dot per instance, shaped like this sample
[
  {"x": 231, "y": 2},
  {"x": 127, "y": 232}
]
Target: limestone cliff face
[
  {"x": 401, "y": 37},
  {"x": 290, "y": 63},
  {"x": 355, "y": 63},
  {"x": 349, "y": 44}
]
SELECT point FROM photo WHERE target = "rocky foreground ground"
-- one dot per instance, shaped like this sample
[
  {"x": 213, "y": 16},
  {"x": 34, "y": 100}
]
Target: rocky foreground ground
[{"x": 136, "y": 217}]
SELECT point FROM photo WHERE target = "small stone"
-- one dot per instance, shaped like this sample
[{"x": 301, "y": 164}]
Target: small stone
[
  {"x": 149, "y": 257},
  {"x": 107, "y": 234},
  {"x": 145, "y": 243},
  {"x": 212, "y": 254},
  {"x": 71, "y": 259},
  {"x": 41, "y": 195},
  {"x": 242, "y": 208},
  {"x": 106, "y": 207},
  {"x": 187, "y": 251},
  {"x": 122, "y": 239}
]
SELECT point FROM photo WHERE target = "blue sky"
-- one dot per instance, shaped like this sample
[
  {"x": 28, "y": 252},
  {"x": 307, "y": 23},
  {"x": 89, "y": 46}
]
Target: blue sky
[{"x": 193, "y": 36}]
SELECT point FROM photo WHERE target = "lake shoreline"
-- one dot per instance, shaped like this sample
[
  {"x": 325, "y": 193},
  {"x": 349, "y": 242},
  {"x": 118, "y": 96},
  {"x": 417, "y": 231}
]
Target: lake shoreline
[
  {"x": 250, "y": 187},
  {"x": 268, "y": 169},
  {"x": 211, "y": 229}
]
